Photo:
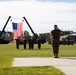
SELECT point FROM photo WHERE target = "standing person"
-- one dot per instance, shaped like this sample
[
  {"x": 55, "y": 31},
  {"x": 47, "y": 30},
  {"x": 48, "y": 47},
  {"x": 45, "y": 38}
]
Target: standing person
[
  {"x": 39, "y": 42},
  {"x": 29, "y": 41},
  {"x": 32, "y": 43},
  {"x": 25, "y": 42},
  {"x": 55, "y": 40},
  {"x": 17, "y": 43}
]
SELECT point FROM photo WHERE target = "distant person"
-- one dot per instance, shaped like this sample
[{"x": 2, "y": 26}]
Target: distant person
[
  {"x": 25, "y": 42},
  {"x": 39, "y": 42},
  {"x": 31, "y": 43},
  {"x": 55, "y": 40},
  {"x": 17, "y": 43}
]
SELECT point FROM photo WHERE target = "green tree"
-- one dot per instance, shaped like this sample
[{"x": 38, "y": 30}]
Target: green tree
[
  {"x": 67, "y": 32},
  {"x": 45, "y": 35}
]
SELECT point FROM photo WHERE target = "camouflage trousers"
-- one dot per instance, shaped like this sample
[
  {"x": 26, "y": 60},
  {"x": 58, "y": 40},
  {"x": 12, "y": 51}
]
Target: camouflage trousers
[{"x": 55, "y": 45}]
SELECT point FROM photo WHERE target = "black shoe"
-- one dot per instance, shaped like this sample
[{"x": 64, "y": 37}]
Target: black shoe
[{"x": 56, "y": 57}]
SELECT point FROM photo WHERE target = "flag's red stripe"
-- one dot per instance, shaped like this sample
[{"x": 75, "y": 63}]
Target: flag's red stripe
[{"x": 17, "y": 33}]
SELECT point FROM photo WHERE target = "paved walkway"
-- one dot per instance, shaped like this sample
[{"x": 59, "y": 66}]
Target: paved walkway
[{"x": 67, "y": 65}]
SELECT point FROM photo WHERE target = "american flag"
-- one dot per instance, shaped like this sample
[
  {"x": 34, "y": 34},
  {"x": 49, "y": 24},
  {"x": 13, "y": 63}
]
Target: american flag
[{"x": 17, "y": 30}]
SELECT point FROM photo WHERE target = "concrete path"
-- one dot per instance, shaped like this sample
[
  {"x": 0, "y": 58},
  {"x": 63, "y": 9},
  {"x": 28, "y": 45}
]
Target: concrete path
[{"x": 67, "y": 65}]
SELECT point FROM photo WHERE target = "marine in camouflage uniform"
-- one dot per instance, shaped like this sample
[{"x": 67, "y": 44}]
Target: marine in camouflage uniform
[
  {"x": 55, "y": 36},
  {"x": 39, "y": 42},
  {"x": 31, "y": 43},
  {"x": 17, "y": 43},
  {"x": 25, "y": 42}
]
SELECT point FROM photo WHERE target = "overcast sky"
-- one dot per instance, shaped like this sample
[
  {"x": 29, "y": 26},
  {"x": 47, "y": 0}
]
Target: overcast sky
[{"x": 41, "y": 14}]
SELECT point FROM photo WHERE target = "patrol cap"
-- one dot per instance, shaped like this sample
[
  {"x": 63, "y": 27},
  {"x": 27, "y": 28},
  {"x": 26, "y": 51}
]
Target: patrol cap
[{"x": 55, "y": 25}]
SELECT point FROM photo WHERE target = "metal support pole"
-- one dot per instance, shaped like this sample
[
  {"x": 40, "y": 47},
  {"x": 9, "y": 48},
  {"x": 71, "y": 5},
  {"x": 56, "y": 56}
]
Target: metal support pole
[
  {"x": 30, "y": 27},
  {"x": 5, "y": 25}
]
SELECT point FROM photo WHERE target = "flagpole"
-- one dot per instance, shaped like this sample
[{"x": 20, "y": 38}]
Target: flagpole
[
  {"x": 5, "y": 25},
  {"x": 30, "y": 27}
]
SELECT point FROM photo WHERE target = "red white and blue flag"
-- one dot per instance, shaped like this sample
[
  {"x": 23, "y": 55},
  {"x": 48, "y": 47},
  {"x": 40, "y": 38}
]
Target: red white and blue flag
[{"x": 17, "y": 30}]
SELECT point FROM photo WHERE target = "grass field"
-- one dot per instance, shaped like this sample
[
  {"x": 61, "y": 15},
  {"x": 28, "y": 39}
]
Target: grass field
[{"x": 9, "y": 51}]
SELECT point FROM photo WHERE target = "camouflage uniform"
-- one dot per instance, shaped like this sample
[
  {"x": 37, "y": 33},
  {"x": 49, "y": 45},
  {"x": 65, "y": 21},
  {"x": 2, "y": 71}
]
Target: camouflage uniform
[
  {"x": 55, "y": 36},
  {"x": 17, "y": 43},
  {"x": 31, "y": 43},
  {"x": 39, "y": 42},
  {"x": 25, "y": 41}
]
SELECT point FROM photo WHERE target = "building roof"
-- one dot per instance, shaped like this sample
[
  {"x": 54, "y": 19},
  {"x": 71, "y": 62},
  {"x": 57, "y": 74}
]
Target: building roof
[{"x": 72, "y": 34}]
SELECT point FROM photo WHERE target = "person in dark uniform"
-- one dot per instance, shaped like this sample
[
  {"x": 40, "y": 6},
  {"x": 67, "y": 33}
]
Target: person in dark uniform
[
  {"x": 31, "y": 43},
  {"x": 55, "y": 40},
  {"x": 17, "y": 43},
  {"x": 25, "y": 41},
  {"x": 39, "y": 42}
]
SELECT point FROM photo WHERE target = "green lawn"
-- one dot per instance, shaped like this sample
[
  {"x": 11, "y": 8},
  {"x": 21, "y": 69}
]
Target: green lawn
[{"x": 9, "y": 51}]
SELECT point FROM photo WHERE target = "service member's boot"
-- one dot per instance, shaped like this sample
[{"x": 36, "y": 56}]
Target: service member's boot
[{"x": 56, "y": 55}]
